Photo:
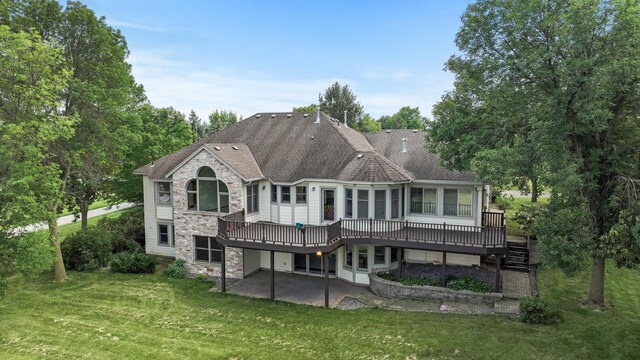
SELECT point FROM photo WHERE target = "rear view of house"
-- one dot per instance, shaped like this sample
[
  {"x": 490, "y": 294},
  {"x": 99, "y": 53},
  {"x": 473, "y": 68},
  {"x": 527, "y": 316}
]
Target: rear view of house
[{"x": 302, "y": 192}]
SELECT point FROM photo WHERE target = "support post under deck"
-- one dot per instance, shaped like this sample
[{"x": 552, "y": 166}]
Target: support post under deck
[
  {"x": 273, "y": 275},
  {"x": 326, "y": 279},
  {"x": 444, "y": 269},
  {"x": 223, "y": 271}
]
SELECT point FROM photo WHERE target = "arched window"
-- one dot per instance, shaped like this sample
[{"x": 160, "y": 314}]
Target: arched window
[{"x": 207, "y": 193}]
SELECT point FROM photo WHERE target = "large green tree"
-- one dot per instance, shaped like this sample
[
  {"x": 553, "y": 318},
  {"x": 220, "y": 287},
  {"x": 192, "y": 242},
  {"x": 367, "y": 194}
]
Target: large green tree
[
  {"x": 562, "y": 78},
  {"x": 32, "y": 75},
  {"x": 198, "y": 128},
  {"x": 161, "y": 131},
  {"x": 337, "y": 99},
  {"x": 221, "y": 119},
  {"x": 406, "y": 118}
]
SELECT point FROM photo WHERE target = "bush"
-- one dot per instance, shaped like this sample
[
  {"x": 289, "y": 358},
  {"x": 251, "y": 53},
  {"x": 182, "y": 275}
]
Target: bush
[
  {"x": 86, "y": 250},
  {"x": 420, "y": 281},
  {"x": 503, "y": 203},
  {"x": 176, "y": 270},
  {"x": 126, "y": 231},
  {"x": 3, "y": 286},
  {"x": 534, "y": 310},
  {"x": 468, "y": 283},
  {"x": 387, "y": 276},
  {"x": 526, "y": 217},
  {"x": 133, "y": 263}
]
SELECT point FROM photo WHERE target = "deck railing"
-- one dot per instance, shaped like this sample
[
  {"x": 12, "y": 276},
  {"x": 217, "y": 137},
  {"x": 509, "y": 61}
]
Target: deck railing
[{"x": 490, "y": 235}]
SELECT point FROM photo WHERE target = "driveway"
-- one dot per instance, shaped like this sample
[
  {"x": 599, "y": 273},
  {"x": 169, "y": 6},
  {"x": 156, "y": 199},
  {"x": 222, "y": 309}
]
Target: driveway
[{"x": 297, "y": 288}]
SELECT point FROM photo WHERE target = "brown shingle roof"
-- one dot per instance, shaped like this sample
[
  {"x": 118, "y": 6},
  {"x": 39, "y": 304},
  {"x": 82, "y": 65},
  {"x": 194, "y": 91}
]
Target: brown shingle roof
[
  {"x": 288, "y": 147},
  {"x": 417, "y": 160},
  {"x": 238, "y": 157}
]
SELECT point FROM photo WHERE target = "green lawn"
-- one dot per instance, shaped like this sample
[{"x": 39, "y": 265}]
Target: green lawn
[
  {"x": 116, "y": 316},
  {"x": 68, "y": 229},
  {"x": 96, "y": 205},
  {"x": 513, "y": 228}
]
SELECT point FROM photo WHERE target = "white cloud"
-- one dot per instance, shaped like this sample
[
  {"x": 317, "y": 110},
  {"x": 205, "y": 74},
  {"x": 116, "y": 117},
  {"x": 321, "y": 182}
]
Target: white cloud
[
  {"x": 174, "y": 83},
  {"x": 136, "y": 26}
]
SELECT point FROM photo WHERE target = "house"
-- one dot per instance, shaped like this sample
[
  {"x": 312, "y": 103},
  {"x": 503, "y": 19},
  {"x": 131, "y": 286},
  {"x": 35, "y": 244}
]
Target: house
[{"x": 302, "y": 192}]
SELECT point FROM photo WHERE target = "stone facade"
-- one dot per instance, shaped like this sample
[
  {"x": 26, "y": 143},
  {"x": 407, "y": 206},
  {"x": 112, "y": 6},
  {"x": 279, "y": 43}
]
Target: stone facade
[{"x": 188, "y": 223}]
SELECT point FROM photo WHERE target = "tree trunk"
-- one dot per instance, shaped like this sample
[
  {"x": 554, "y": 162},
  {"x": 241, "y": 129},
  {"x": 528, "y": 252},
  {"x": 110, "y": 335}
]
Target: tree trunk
[
  {"x": 596, "y": 286},
  {"x": 84, "y": 212},
  {"x": 534, "y": 190},
  {"x": 59, "y": 272}
]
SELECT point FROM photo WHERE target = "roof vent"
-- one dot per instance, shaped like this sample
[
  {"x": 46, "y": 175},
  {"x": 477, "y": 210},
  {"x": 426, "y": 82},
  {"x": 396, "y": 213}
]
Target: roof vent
[
  {"x": 217, "y": 148},
  {"x": 388, "y": 131},
  {"x": 235, "y": 148},
  {"x": 312, "y": 137},
  {"x": 273, "y": 115},
  {"x": 305, "y": 115},
  {"x": 360, "y": 156},
  {"x": 404, "y": 145},
  {"x": 415, "y": 131},
  {"x": 317, "y": 115},
  {"x": 288, "y": 115},
  {"x": 257, "y": 116}
]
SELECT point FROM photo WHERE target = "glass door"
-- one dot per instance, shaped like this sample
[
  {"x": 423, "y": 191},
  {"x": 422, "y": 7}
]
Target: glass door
[{"x": 328, "y": 205}]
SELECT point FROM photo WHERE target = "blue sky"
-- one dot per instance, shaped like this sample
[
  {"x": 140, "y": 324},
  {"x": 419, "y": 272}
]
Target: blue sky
[{"x": 263, "y": 56}]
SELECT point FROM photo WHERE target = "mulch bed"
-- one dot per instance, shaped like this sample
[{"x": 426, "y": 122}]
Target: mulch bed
[{"x": 434, "y": 272}]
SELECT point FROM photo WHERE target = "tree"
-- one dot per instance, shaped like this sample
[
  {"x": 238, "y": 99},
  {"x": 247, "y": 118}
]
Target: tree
[
  {"x": 406, "y": 118},
  {"x": 198, "y": 128},
  {"x": 161, "y": 131},
  {"x": 220, "y": 119},
  {"x": 368, "y": 124},
  {"x": 306, "y": 109},
  {"x": 561, "y": 79},
  {"x": 32, "y": 75},
  {"x": 336, "y": 99}
]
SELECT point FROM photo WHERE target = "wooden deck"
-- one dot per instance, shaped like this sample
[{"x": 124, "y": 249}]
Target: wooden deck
[{"x": 487, "y": 239}]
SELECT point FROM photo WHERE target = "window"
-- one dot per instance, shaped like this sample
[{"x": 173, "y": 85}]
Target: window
[
  {"x": 206, "y": 193},
  {"x": 166, "y": 235},
  {"x": 424, "y": 201},
  {"x": 363, "y": 260},
  {"x": 207, "y": 249},
  {"x": 348, "y": 203},
  {"x": 379, "y": 254},
  {"x": 301, "y": 194},
  {"x": 380, "y": 204},
  {"x": 252, "y": 199},
  {"x": 465, "y": 202},
  {"x": 395, "y": 203},
  {"x": 274, "y": 193},
  {"x": 285, "y": 194},
  {"x": 348, "y": 256},
  {"x": 328, "y": 205},
  {"x": 164, "y": 193},
  {"x": 363, "y": 204},
  {"x": 394, "y": 254}
]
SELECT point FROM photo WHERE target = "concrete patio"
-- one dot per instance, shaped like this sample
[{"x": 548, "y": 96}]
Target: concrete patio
[{"x": 297, "y": 288}]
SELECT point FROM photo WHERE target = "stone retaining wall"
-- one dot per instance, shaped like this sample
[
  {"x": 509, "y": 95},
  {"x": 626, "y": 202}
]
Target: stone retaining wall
[{"x": 394, "y": 289}]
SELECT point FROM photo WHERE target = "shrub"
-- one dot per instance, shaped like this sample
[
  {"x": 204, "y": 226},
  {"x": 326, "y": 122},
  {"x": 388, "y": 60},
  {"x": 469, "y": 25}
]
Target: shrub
[
  {"x": 202, "y": 277},
  {"x": 86, "y": 250},
  {"x": 421, "y": 281},
  {"x": 503, "y": 203},
  {"x": 176, "y": 270},
  {"x": 133, "y": 263},
  {"x": 126, "y": 231},
  {"x": 3, "y": 286},
  {"x": 468, "y": 283},
  {"x": 534, "y": 310},
  {"x": 526, "y": 217},
  {"x": 387, "y": 276}
]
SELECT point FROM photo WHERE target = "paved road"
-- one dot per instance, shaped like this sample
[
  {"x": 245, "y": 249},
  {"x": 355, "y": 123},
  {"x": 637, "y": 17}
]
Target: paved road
[{"x": 68, "y": 219}]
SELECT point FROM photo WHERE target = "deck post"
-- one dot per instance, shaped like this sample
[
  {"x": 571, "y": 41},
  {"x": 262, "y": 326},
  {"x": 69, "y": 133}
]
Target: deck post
[
  {"x": 400, "y": 260},
  {"x": 326, "y": 279},
  {"x": 370, "y": 228},
  {"x": 444, "y": 269},
  {"x": 273, "y": 276},
  {"x": 498, "y": 275},
  {"x": 223, "y": 271}
]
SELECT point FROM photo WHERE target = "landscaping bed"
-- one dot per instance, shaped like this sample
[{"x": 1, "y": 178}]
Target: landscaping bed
[{"x": 431, "y": 274}]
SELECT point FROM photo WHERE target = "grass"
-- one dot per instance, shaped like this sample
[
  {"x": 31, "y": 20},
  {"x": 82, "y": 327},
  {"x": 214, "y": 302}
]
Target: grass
[
  {"x": 513, "y": 228},
  {"x": 115, "y": 316},
  {"x": 96, "y": 205},
  {"x": 68, "y": 229}
]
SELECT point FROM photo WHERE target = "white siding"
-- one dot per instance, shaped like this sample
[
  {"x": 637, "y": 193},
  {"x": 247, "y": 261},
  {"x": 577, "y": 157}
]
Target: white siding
[
  {"x": 264, "y": 200},
  {"x": 301, "y": 214},
  {"x": 151, "y": 222},
  {"x": 314, "y": 206},
  {"x": 282, "y": 261},
  {"x": 285, "y": 214},
  {"x": 274, "y": 212},
  {"x": 164, "y": 212}
]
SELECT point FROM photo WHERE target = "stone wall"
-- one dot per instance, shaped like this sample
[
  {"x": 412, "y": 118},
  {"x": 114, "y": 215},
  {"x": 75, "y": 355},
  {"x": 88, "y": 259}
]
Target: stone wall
[
  {"x": 188, "y": 223},
  {"x": 393, "y": 289}
]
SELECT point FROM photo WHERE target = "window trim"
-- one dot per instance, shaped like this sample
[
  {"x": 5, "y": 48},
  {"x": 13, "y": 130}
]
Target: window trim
[
  {"x": 253, "y": 206},
  {"x": 422, "y": 202},
  {"x": 209, "y": 249},
  {"x": 171, "y": 241},
  {"x": 170, "y": 192},
  {"x": 274, "y": 193},
  {"x": 384, "y": 204},
  {"x": 358, "y": 215},
  {"x": 282, "y": 193},
  {"x": 458, "y": 202},
  {"x": 219, "y": 193},
  {"x": 397, "y": 207},
  {"x": 298, "y": 201},
  {"x": 346, "y": 201}
]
